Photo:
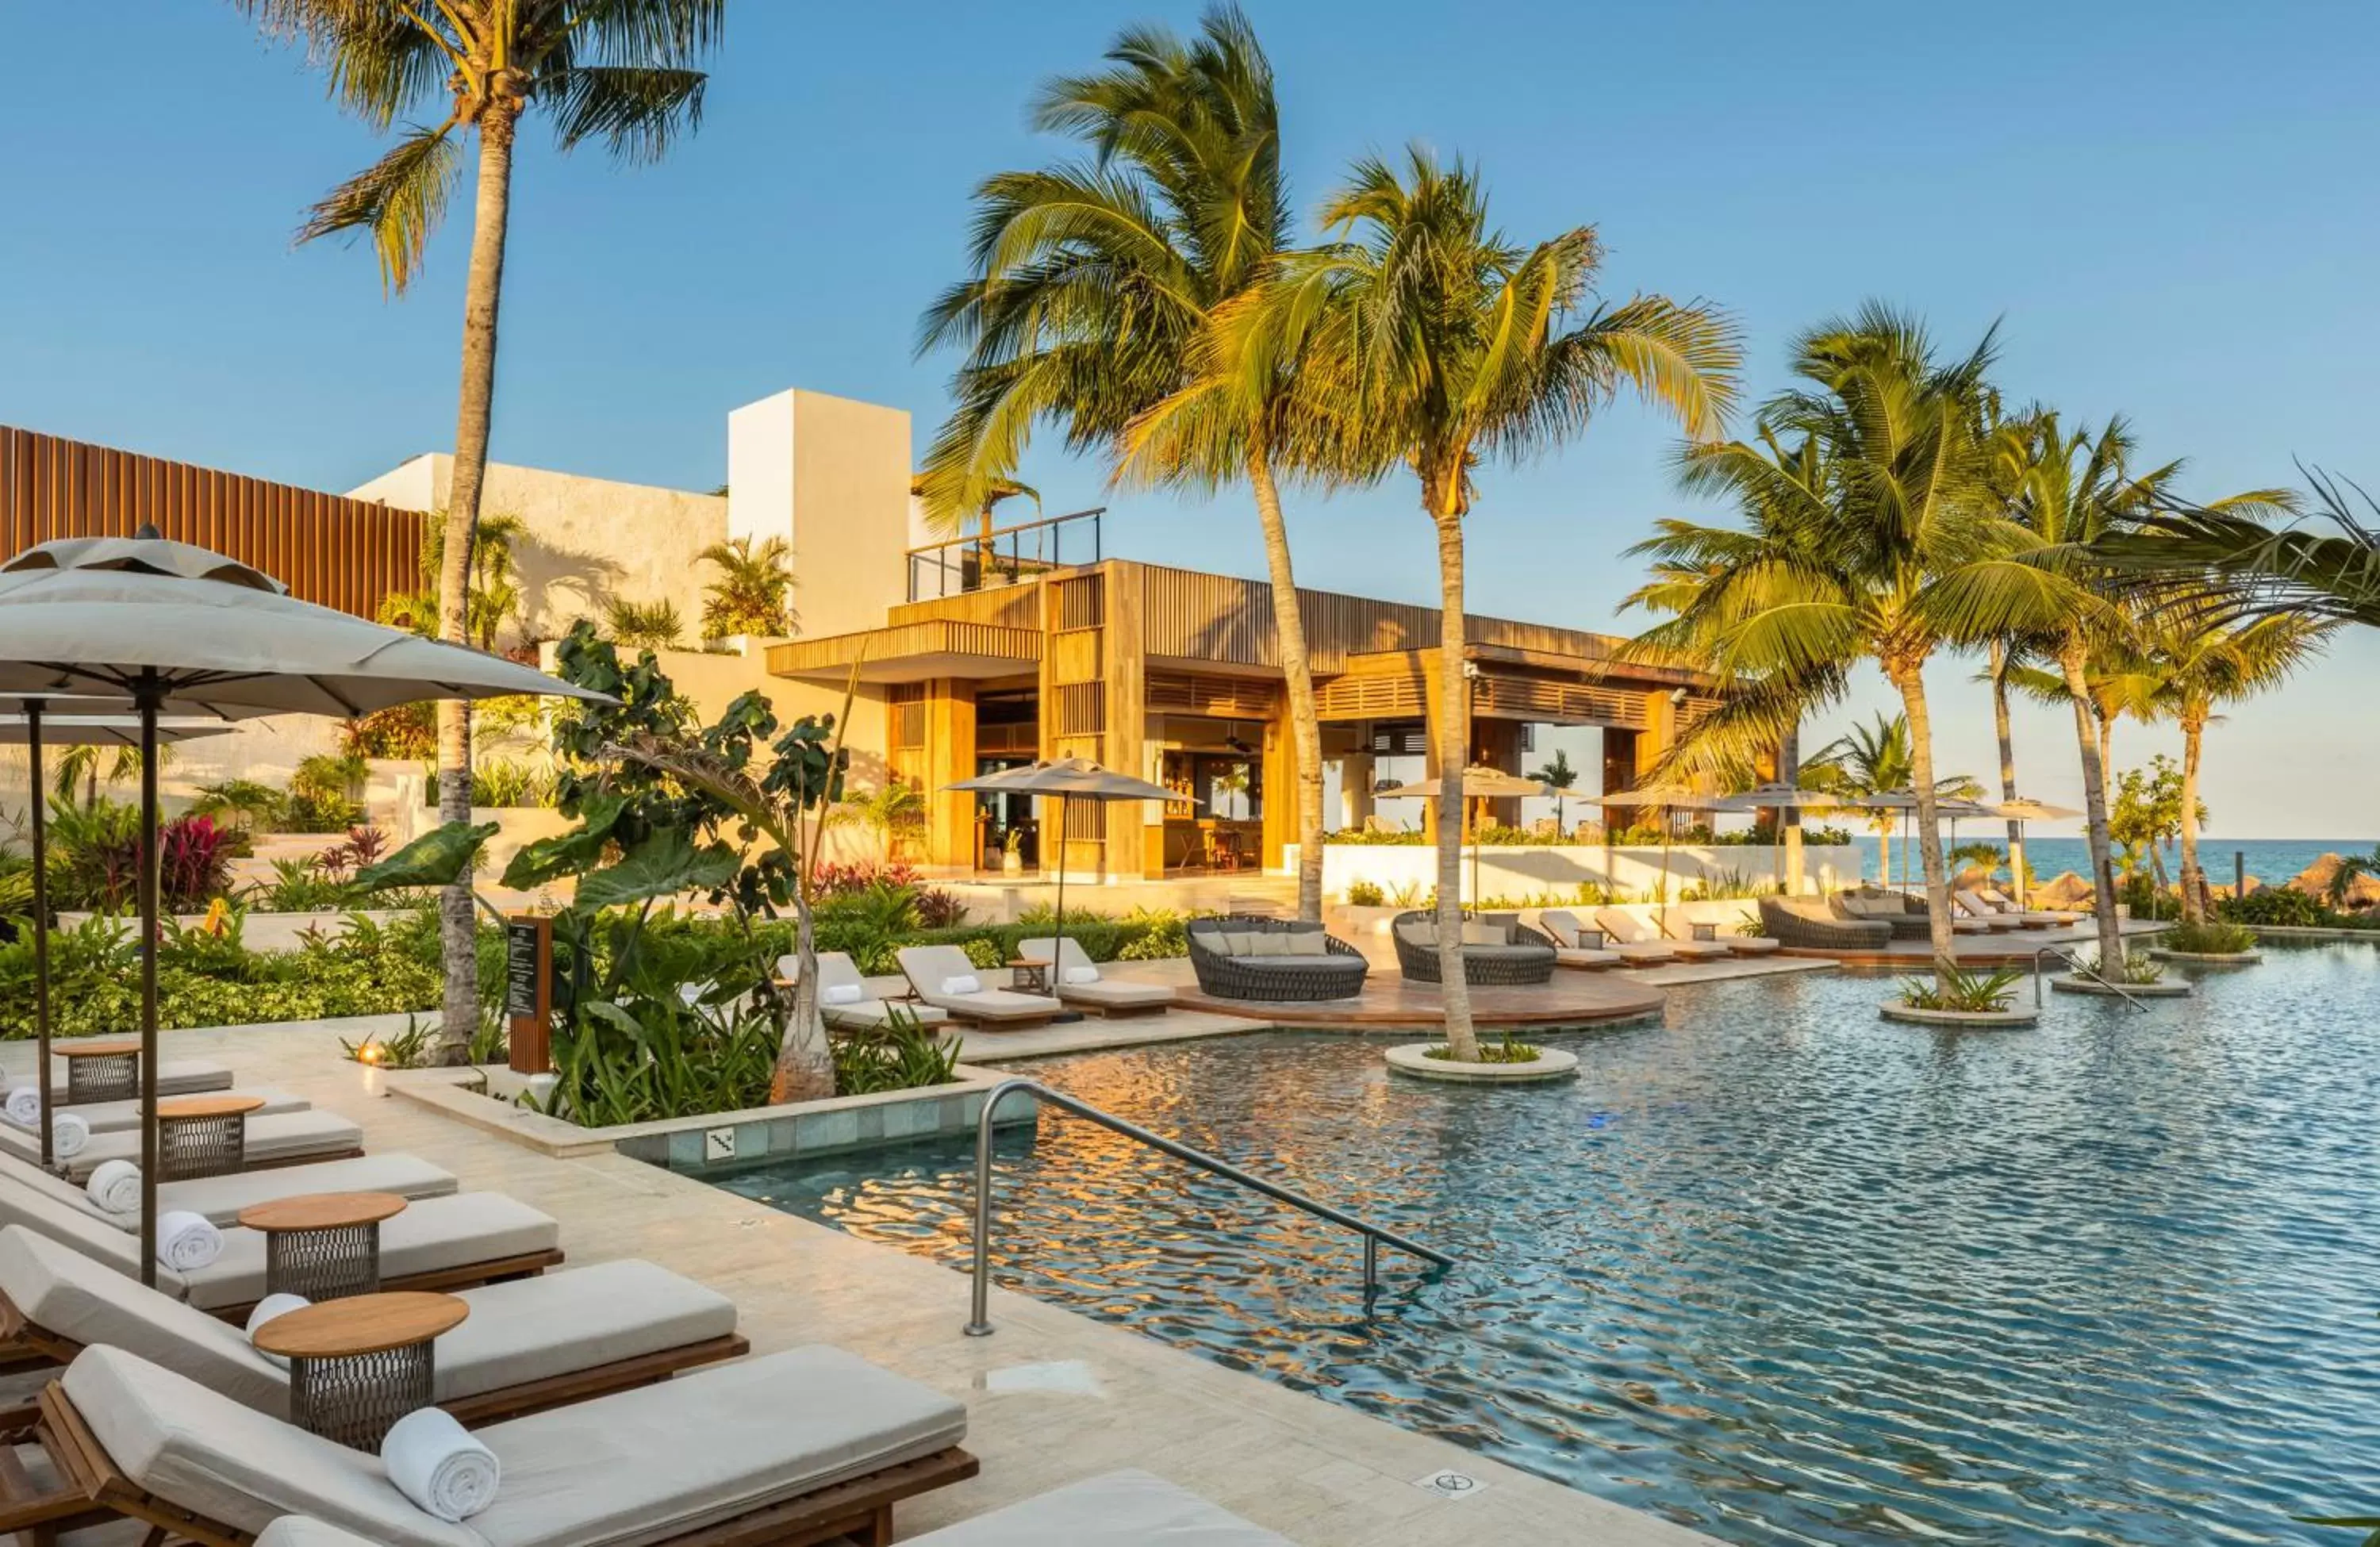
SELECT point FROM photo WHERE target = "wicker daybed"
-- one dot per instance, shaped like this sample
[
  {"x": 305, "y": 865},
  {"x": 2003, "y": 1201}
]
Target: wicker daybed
[
  {"x": 1496, "y": 949},
  {"x": 1243, "y": 957},
  {"x": 1811, "y": 926}
]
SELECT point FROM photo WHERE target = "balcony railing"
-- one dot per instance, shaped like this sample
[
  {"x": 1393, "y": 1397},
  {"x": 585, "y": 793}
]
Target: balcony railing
[{"x": 1004, "y": 555}]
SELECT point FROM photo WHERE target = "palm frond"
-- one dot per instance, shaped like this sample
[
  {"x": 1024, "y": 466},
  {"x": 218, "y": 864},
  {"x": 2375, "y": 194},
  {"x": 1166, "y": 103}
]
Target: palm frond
[
  {"x": 638, "y": 110},
  {"x": 397, "y": 201}
]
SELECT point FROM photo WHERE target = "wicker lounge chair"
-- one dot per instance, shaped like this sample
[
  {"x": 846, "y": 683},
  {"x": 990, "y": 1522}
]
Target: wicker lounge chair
[
  {"x": 799, "y": 1447},
  {"x": 439, "y": 1243},
  {"x": 930, "y": 968},
  {"x": 1280, "y": 960},
  {"x": 1726, "y": 920},
  {"x": 286, "y": 1139},
  {"x": 1075, "y": 979},
  {"x": 845, "y": 999},
  {"x": 1498, "y": 949},
  {"x": 220, "y": 1199},
  {"x": 1576, "y": 945},
  {"x": 125, "y": 1116},
  {"x": 1629, "y": 930},
  {"x": 1803, "y": 925},
  {"x": 529, "y": 1345},
  {"x": 1907, "y": 915}
]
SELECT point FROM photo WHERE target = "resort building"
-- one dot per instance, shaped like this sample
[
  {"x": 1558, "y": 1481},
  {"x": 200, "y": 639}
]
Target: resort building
[{"x": 960, "y": 653}]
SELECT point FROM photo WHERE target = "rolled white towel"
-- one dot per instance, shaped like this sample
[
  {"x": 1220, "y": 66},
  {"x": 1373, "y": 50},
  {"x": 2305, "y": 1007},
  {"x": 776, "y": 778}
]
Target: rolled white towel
[
  {"x": 186, "y": 1242},
  {"x": 25, "y": 1106},
  {"x": 1082, "y": 977},
  {"x": 964, "y": 983},
  {"x": 116, "y": 1187},
  {"x": 435, "y": 1462},
  {"x": 269, "y": 1308},
  {"x": 842, "y": 993},
  {"x": 68, "y": 1134}
]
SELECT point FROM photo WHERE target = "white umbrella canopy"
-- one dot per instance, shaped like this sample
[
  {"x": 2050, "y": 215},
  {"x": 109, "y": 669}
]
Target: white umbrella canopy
[
  {"x": 1069, "y": 779},
  {"x": 1478, "y": 784},
  {"x": 2021, "y": 810},
  {"x": 1673, "y": 796},
  {"x": 173, "y": 626},
  {"x": 34, "y": 730}
]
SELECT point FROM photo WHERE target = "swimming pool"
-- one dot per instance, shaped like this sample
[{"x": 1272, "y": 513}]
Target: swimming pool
[{"x": 1775, "y": 1269}]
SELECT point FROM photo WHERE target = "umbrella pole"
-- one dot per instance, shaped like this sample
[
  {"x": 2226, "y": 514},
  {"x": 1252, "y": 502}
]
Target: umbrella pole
[
  {"x": 147, "y": 699},
  {"x": 40, "y": 916},
  {"x": 1058, "y": 947}
]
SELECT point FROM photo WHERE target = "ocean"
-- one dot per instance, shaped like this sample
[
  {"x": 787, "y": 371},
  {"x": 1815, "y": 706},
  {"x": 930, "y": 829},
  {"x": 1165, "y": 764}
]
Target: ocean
[{"x": 2271, "y": 860}]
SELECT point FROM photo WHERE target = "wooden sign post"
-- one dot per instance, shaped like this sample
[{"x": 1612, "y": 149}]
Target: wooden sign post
[{"x": 528, "y": 991}]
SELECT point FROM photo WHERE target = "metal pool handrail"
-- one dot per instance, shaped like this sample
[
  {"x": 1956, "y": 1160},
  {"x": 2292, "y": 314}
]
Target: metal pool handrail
[
  {"x": 980, "y": 1324},
  {"x": 2081, "y": 971}
]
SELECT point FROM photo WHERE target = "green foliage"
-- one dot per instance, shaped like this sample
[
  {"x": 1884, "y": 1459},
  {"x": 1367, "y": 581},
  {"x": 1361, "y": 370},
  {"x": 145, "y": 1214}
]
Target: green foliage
[
  {"x": 436, "y": 858},
  {"x": 2146, "y": 813},
  {"x": 408, "y": 1049},
  {"x": 406, "y": 731},
  {"x": 2210, "y": 939},
  {"x": 754, "y": 591},
  {"x": 507, "y": 783},
  {"x": 1976, "y": 992},
  {"x": 653, "y": 1055},
  {"x": 644, "y": 626},
  {"x": 2280, "y": 905},
  {"x": 322, "y": 794},
  {"x": 1510, "y": 1049},
  {"x": 94, "y": 853},
  {"x": 901, "y": 1055},
  {"x": 2138, "y": 967},
  {"x": 1366, "y": 893},
  {"x": 248, "y": 804},
  {"x": 1359, "y": 838}
]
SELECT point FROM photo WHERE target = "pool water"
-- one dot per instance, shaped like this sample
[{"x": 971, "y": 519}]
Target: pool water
[{"x": 1774, "y": 1269}]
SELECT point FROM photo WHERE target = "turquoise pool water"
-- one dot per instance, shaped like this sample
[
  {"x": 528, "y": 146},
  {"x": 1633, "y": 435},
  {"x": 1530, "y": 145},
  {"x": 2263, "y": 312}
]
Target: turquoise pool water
[{"x": 1774, "y": 1269}]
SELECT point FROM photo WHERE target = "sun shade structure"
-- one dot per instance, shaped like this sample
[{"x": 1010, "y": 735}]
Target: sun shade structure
[
  {"x": 1069, "y": 779},
  {"x": 1775, "y": 796},
  {"x": 1478, "y": 784},
  {"x": 2021, "y": 810},
  {"x": 177, "y": 627},
  {"x": 34, "y": 730}
]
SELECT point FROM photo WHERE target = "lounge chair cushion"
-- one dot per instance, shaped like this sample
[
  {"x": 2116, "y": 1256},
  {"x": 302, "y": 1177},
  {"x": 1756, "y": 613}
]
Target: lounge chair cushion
[
  {"x": 176, "y": 1076},
  {"x": 221, "y": 1198},
  {"x": 117, "y": 1116},
  {"x": 1478, "y": 932},
  {"x": 298, "y": 1530},
  {"x": 533, "y": 1328},
  {"x": 1573, "y": 955},
  {"x": 1119, "y": 1509},
  {"x": 289, "y": 1135},
  {"x": 1307, "y": 943},
  {"x": 64, "y": 1292},
  {"x": 1106, "y": 992},
  {"x": 429, "y": 1237}
]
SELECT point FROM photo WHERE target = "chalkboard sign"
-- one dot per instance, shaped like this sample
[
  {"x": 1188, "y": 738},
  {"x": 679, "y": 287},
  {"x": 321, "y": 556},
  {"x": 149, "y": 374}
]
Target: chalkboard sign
[{"x": 528, "y": 991}]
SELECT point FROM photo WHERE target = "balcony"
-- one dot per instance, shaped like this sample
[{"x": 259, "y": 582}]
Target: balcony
[{"x": 1004, "y": 555}]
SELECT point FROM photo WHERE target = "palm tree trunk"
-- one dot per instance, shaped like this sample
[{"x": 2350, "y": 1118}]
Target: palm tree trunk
[
  {"x": 2071, "y": 660},
  {"x": 483, "y": 289},
  {"x": 805, "y": 1068},
  {"x": 1453, "y": 754},
  {"x": 1908, "y": 677},
  {"x": 1305, "y": 720},
  {"x": 2193, "y": 879},
  {"x": 2008, "y": 765},
  {"x": 1788, "y": 819}
]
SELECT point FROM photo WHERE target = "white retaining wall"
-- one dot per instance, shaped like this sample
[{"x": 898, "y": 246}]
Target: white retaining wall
[{"x": 1524, "y": 872}]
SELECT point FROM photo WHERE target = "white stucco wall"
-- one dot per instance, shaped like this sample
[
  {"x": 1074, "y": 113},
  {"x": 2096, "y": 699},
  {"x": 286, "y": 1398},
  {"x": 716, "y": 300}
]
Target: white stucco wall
[
  {"x": 587, "y": 539},
  {"x": 1559, "y": 870}
]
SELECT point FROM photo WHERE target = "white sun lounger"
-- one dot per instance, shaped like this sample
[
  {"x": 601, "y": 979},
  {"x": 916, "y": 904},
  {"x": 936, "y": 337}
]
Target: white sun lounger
[
  {"x": 220, "y": 1199},
  {"x": 845, "y": 999},
  {"x": 929, "y": 967},
  {"x": 1075, "y": 979},
  {"x": 589, "y": 1329},
  {"x": 1970, "y": 907},
  {"x": 1569, "y": 942},
  {"x": 176, "y": 1076},
  {"x": 284, "y": 1139},
  {"x": 733, "y": 1445},
  {"x": 1627, "y": 929},
  {"x": 469, "y": 1237},
  {"x": 1997, "y": 905},
  {"x": 1118, "y": 1509},
  {"x": 120, "y": 1116}
]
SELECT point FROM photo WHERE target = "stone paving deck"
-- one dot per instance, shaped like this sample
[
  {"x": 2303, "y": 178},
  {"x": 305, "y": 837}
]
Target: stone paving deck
[{"x": 1052, "y": 1397}]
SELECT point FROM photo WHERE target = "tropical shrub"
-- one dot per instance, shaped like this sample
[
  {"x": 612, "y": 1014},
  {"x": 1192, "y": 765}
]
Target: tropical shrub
[
  {"x": 322, "y": 793},
  {"x": 297, "y": 887},
  {"x": 94, "y": 853},
  {"x": 407, "y": 731},
  {"x": 193, "y": 863},
  {"x": 247, "y": 804},
  {"x": 2214, "y": 939},
  {"x": 901, "y": 1055},
  {"x": 2280, "y": 906},
  {"x": 1366, "y": 893},
  {"x": 1508, "y": 1051},
  {"x": 1969, "y": 992}
]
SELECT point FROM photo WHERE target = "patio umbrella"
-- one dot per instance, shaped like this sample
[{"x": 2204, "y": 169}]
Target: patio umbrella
[
  {"x": 1773, "y": 796},
  {"x": 1674, "y": 799},
  {"x": 34, "y": 729},
  {"x": 1069, "y": 779},
  {"x": 2021, "y": 810},
  {"x": 1905, "y": 801},
  {"x": 175, "y": 626},
  {"x": 1478, "y": 784}
]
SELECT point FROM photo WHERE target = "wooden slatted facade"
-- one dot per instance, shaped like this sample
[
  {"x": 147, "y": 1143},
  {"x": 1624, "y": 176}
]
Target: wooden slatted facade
[{"x": 327, "y": 548}]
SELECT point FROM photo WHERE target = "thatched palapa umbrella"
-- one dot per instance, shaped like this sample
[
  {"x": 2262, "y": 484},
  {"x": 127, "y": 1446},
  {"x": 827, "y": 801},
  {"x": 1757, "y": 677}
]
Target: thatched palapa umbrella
[{"x": 177, "y": 627}]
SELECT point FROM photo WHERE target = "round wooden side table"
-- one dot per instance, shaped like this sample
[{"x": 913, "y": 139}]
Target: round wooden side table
[
  {"x": 101, "y": 1071},
  {"x": 357, "y": 1365},
  {"x": 324, "y": 1245},
  {"x": 202, "y": 1136}
]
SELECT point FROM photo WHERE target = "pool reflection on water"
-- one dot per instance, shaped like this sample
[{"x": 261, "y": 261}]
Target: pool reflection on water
[{"x": 1775, "y": 1269}]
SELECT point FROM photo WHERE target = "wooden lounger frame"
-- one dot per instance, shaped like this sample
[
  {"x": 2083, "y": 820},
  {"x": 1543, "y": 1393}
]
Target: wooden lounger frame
[
  {"x": 91, "y": 1489},
  {"x": 26, "y": 1343}
]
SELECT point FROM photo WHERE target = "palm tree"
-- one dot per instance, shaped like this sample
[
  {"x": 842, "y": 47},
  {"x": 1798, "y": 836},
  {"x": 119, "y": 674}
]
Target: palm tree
[
  {"x": 2226, "y": 561},
  {"x": 618, "y": 71},
  {"x": 494, "y": 591},
  {"x": 895, "y": 812},
  {"x": 1873, "y": 760},
  {"x": 1421, "y": 338},
  {"x": 1090, "y": 305},
  {"x": 1561, "y": 778},
  {"x": 2206, "y": 668},
  {"x": 642, "y": 626},
  {"x": 754, "y": 591}
]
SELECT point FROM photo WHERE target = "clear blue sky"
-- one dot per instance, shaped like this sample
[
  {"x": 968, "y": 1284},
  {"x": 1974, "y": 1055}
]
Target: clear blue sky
[{"x": 2169, "y": 206}]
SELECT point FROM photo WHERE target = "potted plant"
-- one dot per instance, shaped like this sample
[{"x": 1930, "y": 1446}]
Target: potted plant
[{"x": 1012, "y": 852}]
